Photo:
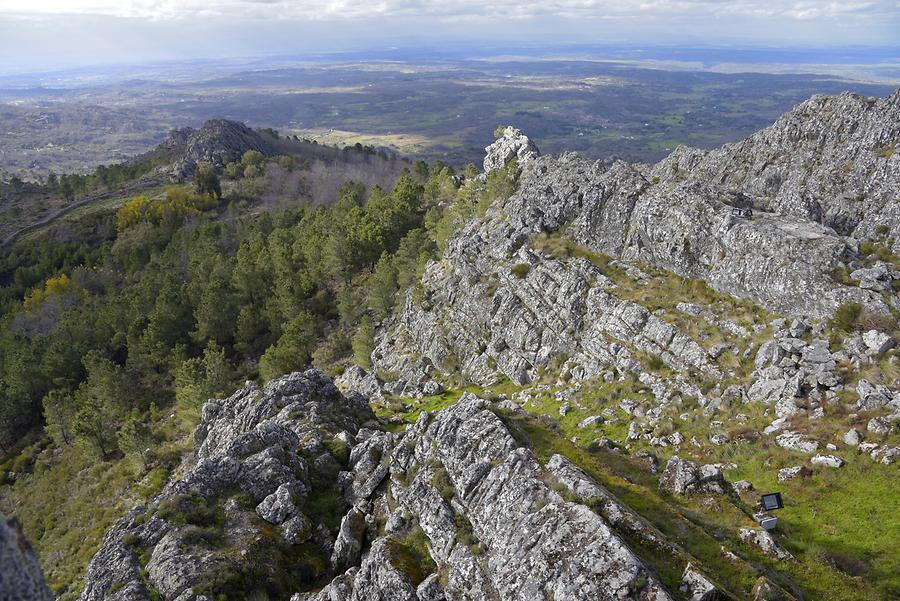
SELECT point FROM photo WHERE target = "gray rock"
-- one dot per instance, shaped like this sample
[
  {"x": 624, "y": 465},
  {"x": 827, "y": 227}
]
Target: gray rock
[
  {"x": 505, "y": 326},
  {"x": 590, "y": 493},
  {"x": 770, "y": 391},
  {"x": 794, "y": 441},
  {"x": 718, "y": 439},
  {"x": 357, "y": 380},
  {"x": 297, "y": 529},
  {"x": 278, "y": 506},
  {"x": 512, "y": 144},
  {"x": 682, "y": 477},
  {"x": 766, "y": 543},
  {"x": 348, "y": 544},
  {"x": 872, "y": 396},
  {"x": 789, "y": 473},
  {"x": 256, "y": 442},
  {"x": 697, "y": 587},
  {"x": 877, "y": 277},
  {"x": 877, "y": 342},
  {"x": 591, "y": 421},
  {"x": 742, "y": 486},
  {"x": 827, "y": 461},
  {"x": 20, "y": 574},
  {"x": 886, "y": 455},
  {"x": 878, "y": 425},
  {"x": 716, "y": 350},
  {"x": 852, "y": 437},
  {"x": 430, "y": 589},
  {"x": 515, "y": 516},
  {"x": 217, "y": 142}
]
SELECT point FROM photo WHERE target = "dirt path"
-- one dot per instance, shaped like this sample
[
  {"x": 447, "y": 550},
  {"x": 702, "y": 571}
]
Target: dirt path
[{"x": 139, "y": 185}]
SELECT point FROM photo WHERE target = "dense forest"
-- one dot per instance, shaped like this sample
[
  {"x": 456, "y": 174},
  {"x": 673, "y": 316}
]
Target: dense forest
[{"x": 180, "y": 297}]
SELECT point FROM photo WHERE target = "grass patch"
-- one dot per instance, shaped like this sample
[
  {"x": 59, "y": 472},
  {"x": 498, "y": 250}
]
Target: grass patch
[
  {"x": 410, "y": 555},
  {"x": 70, "y": 500},
  {"x": 521, "y": 270},
  {"x": 846, "y": 549}
]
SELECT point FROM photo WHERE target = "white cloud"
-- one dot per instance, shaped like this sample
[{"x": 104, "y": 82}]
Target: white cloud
[{"x": 311, "y": 10}]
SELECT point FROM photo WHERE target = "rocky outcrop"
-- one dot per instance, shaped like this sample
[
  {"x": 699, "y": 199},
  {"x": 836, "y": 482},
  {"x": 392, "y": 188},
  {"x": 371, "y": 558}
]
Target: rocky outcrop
[
  {"x": 498, "y": 304},
  {"x": 20, "y": 574},
  {"x": 830, "y": 160},
  {"x": 217, "y": 142},
  {"x": 491, "y": 521},
  {"x": 681, "y": 477},
  {"x": 265, "y": 460},
  {"x": 511, "y": 145},
  {"x": 464, "y": 495}
]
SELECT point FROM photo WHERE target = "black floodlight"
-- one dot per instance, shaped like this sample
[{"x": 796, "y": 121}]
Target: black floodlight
[{"x": 771, "y": 501}]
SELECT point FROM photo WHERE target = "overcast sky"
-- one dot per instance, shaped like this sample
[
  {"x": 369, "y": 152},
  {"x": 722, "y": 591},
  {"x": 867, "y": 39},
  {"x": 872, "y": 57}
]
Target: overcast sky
[{"x": 54, "y": 33}]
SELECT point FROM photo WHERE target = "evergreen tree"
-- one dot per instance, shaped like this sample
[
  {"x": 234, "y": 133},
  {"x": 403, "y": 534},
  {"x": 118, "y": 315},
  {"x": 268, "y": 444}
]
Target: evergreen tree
[
  {"x": 293, "y": 350},
  {"x": 383, "y": 287},
  {"x": 364, "y": 343},
  {"x": 100, "y": 400},
  {"x": 136, "y": 438},
  {"x": 59, "y": 415},
  {"x": 207, "y": 181}
]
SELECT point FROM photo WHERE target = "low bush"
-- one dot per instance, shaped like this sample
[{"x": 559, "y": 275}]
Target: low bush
[{"x": 521, "y": 270}]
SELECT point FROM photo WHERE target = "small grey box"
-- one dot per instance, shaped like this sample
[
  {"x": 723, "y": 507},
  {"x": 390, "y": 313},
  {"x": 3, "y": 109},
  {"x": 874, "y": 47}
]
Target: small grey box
[{"x": 768, "y": 523}]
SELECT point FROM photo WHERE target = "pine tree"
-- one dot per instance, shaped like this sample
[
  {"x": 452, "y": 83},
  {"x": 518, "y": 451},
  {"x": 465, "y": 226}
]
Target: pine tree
[
  {"x": 364, "y": 343},
  {"x": 136, "y": 438},
  {"x": 59, "y": 415},
  {"x": 207, "y": 181},
  {"x": 293, "y": 350}
]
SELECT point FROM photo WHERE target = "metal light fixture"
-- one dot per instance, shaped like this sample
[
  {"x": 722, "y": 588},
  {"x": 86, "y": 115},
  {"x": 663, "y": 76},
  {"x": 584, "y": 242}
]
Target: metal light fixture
[{"x": 769, "y": 502}]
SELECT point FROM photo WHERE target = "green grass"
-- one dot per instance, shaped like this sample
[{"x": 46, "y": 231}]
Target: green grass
[
  {"x": 847, "y": 549},
  {"x": 848, "y": 518},
  {"x": 70, "y": 499},
  {"x": 393, "y": 407},
  {"x": 410, "y": 555},
  {"x": 520, "y": 270}
]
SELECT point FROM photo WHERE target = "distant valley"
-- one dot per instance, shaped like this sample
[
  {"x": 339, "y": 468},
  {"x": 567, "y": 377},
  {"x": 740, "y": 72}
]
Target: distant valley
[{"x": 440, "y": 108}]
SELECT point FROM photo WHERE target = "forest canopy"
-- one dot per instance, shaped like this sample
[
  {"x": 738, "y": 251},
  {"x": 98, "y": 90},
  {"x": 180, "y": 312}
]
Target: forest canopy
[{"x": 189, "y": 292}]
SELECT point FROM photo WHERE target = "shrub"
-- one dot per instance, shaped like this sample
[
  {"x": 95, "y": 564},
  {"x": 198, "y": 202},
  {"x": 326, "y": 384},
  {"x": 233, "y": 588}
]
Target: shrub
[
  {"x": 189, "y": 509},
  {"x": 845, "y": 316},
  {"x": 339, "y": 449},
  {"x": 521, "y": 270},
  {"x": 887, "y": 152},
  {"x": 410, "y": 555},
  {"x": 441, "y": 481}
]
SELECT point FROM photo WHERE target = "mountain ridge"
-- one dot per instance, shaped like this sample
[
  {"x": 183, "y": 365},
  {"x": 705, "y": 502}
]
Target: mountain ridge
[{"x": 578, "y": 397}]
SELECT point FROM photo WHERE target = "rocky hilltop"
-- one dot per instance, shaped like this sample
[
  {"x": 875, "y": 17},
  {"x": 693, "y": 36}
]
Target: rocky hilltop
[
  {"x": 636, "y": 336},
  {"x": 217, "y": 142},
  {"x": 519, "y": 289}
]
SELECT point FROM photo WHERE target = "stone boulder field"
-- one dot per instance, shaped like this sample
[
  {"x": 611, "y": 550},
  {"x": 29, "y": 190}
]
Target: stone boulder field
[{"x": 582, "y": 398}]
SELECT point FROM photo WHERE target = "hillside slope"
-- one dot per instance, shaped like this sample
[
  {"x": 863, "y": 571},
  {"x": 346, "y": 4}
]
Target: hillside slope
[{"x": 582, "y": 398}]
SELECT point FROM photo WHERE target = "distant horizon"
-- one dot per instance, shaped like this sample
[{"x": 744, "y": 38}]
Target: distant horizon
[
  {"x": 67, "y": 34},
  {"x": 807, "y": 58}
]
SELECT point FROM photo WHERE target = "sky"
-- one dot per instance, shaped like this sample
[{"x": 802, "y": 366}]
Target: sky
[{"x": 45, "y": 34}]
